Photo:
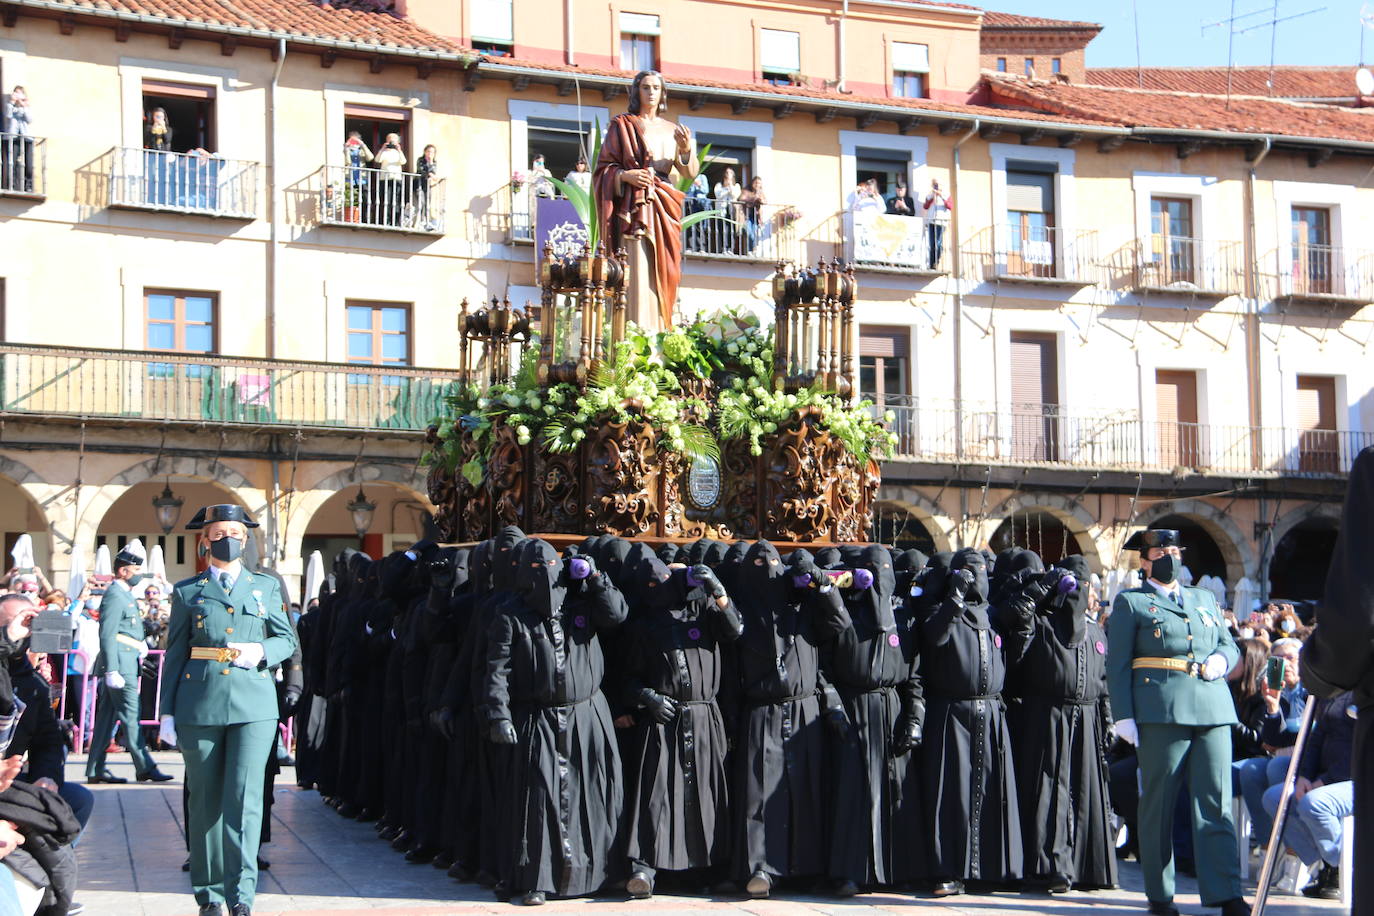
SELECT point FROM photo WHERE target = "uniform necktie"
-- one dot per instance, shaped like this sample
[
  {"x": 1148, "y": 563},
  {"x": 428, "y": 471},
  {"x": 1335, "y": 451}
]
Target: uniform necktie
[{"x": 224, "y": 581}]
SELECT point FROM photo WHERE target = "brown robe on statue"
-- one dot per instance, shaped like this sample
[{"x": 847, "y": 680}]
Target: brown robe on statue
[{"x": 626, "y": 213}]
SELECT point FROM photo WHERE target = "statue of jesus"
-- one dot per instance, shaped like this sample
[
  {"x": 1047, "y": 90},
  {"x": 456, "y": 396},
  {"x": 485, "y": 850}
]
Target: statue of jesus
[{"x": 639, "y": 208}]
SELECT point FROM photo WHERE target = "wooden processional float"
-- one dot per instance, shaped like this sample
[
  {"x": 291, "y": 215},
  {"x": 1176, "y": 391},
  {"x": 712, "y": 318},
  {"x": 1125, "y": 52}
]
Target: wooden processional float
[{"x": 802, "y": 486}]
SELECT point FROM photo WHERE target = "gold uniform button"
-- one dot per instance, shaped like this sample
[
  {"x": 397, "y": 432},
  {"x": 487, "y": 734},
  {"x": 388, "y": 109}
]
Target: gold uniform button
[
  {"x": 231, "y": 610},
  {"x": 225, "y": 671},
  {"x": 1190, "y": 636},
  {"x": 1190, "y": 655},
  {"x": 188, "y": 677},
  {"x": 231, "y": 629},
  {"x": 1147, "y": 680}
]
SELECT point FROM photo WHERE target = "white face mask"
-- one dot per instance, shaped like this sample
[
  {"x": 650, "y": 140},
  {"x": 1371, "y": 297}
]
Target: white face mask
[
  {"x": 1288, "y": 626},
  {"x": 1247, "y": 633}
]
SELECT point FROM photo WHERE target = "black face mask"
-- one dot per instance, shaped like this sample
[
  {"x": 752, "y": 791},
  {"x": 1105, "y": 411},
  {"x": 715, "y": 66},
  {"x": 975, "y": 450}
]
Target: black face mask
[
  {"x": 226, "y": 550},
  {"x": 1164, "y": 570}
]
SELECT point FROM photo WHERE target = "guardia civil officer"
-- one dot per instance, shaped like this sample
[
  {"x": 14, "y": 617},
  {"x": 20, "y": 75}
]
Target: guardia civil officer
[
  {"x": 1169, "y": 651},
  {"x": 121, "y": 650},
  {"x": 228, "y": 630}
]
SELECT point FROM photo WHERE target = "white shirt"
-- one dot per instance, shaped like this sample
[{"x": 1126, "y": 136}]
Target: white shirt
[{"x": 1173, "y": 592}]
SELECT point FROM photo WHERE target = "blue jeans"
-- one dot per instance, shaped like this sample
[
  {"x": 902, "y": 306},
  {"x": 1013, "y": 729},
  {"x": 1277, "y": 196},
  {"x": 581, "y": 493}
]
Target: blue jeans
[
  {"x": 1251, "y": 778},
  {"x": 1313, "y": 829},
  {"x": 9, "y": 897}
]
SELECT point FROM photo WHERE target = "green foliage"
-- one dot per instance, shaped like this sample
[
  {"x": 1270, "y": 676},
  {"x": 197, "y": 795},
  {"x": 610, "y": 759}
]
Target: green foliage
[{"x": 583, "y": 202}]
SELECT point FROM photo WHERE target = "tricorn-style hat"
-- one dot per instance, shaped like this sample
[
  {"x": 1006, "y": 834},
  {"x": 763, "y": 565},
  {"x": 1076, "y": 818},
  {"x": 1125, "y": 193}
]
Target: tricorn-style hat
[
  {"x": 131, "y": 554},
  {"x": 221, "y": 512},
  {"x": 1152, "y": 537}
]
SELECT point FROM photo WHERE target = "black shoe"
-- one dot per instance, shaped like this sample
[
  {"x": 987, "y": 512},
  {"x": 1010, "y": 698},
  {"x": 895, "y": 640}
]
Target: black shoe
[
  {"x": 367, "y": 815},
  {"x": 240, "y": 909},
  {"x": 349, "y": 810},
  {"x": 154, "y": 775},
  {"x": 287, "y": 761},
  {"x": 460, "y": 872},
  {"x": 443, "y": 861},
  {"x": 1059, "y": 884},
  {"x": 210, "y": 909},
  {"x": 1166, "y": 908},
  {"x": 105, "y": 776},
  {"x": 263, "y": 864},
  {"x": 948, "y": 888},
  {"x": 403, "y": 841},
  {"x": 421, "y": 855},
  {"x": 1235, "y": 907},
  {"x": 534, "y": 898},
  {"x": 759, "y": 885},
  {"x": 186, "y": 866},
  {"x": 847, "y": 888},
  {"x": 388, "y": 833},
  {"x": 640, "y": 886},
  {"x": 76, "y": 909}
]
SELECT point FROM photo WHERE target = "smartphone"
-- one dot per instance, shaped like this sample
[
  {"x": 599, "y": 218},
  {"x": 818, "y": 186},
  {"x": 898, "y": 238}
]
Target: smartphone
[{"x": 1273, "y": 673}]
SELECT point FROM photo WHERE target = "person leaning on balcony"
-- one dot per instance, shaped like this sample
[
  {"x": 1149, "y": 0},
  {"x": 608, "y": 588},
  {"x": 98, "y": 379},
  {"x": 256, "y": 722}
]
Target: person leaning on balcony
[
  {"x": 16, "y": 171},
  {"x": 426, "y": 176},
  {"x": 751, "y": 202},
  {"x": 391, "y": 160},
  {"x": 936, "y": 209},
  {"x": 122, "y": 649},
  {"x": 228, "y": 630},
  {"x": 580, "y": 177},
  {"x": 1169, "y": 652},
  {"x": 900, "y": 203},
  {"x": 157, "y": 149}
]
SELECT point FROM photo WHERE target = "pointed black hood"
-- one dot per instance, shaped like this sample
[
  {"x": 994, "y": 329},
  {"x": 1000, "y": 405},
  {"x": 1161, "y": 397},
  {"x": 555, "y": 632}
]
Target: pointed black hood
[
  {"x": 541, "y": 578},
  {"x": 505, "y": 557}
]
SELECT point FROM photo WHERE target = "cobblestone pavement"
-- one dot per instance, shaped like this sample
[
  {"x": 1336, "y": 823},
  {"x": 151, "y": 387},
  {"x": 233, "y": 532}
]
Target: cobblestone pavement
[{"x": 322, "y": 865}]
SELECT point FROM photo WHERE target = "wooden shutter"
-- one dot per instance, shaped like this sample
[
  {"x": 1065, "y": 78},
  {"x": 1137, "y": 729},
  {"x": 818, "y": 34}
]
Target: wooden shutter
[
  {"x": 180, "y": 90},
  {"x": 1316, "y": 402},
  {"x": 1176, "y": 396},
  {"x": 1030, "y": 192},
  {"x": 1034, "y": 369},
  {"x": 887, "y": 343}
]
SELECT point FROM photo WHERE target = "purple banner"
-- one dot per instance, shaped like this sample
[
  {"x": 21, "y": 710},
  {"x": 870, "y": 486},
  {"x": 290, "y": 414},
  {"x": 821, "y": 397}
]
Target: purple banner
[{"x": 556, "y": 223}]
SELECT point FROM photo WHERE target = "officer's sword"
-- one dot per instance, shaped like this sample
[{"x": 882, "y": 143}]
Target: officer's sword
[{"x": 1280, "y": 816}]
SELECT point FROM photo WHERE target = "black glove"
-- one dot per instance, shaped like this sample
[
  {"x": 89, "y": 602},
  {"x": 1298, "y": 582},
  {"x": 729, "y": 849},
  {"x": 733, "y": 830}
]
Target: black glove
[
  {"x": 703, "y": 576},
  {"x": 441, "y": 720},
  {"x": 1037, "y": 589},
  {"x": 906, "y": 738},
  {"x": 835, "y": 716},
  {"x": 958, "y": 584},
  {"x": 502, "y": 732},
  {"x": 290, "y": 699},
  {"x": 661, "y": 708}
]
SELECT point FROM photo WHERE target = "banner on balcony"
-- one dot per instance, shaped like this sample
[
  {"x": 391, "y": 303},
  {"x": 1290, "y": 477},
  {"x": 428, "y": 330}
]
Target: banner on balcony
[
  {"x": 557, "y": 224},
  {"x": 888, "y": 239}
]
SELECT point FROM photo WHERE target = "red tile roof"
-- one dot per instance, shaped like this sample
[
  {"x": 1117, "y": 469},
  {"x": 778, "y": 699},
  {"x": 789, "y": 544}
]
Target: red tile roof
[
  {"x": 1289, "y": 82},
  {"x": 365, "y": 22},
  {"x": 1186, "y": 111},
  {"x": 917, "y": 106},
  {"x": 995, "y": 20}
]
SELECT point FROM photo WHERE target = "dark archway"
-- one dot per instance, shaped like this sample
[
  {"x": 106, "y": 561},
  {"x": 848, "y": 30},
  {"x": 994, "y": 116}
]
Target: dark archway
[
  {"x": 1298, "y": 570},
  {"x": 1201, "y": 554},
  {"x": 1037, "y": 530},
  {"x": 894, "y": 526}
]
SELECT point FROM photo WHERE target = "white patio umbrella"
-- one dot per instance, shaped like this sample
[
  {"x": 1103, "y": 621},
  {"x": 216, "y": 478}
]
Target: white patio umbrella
[
  {"x": 23, "y": 552},
  {"x": 1185, "y": 575},
  {"x": 314, "y": 578},
  {"x": 76, "y": 581},
  {"x": 1246, "y": 594}
]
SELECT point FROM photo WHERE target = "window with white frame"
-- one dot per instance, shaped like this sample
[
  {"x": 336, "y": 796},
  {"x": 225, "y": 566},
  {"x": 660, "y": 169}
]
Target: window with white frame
[
  {"x": 638, "y": 41},
  {"x": 910, "y": 69},
  {"x": 779, "y": 55},
  {"x": 493, "y": 26}
]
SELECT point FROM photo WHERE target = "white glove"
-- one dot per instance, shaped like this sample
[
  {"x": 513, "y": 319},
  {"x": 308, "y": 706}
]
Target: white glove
[
  {"x": 114, "y": 680},
  {"x": 1216, "y": 667},
  {"x": 142, "y": 651},
  {"x": 250, "y": 653},
  {"x": 1126, "y": 731},
  {"x": 167, "y": 730}
]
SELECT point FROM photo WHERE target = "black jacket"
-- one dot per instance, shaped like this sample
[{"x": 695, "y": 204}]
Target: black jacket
[
  {"x": 49, "y": 827},
  {"x": 38, "y": 733},
  {"x": 1331, "y": 746}
]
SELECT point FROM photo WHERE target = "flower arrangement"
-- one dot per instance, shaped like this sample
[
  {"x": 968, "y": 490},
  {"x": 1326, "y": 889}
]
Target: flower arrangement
[
  {"x": 787, "y": 216},
  {"x": 643, "y": 380},
  {"x": 518, "y": 179}
]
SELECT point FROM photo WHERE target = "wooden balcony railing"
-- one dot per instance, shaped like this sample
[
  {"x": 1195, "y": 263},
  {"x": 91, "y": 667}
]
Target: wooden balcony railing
[{"x": 194, "y": 388}]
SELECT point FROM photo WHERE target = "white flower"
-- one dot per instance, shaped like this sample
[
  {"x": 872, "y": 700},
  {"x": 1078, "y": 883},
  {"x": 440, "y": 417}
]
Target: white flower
[{"x": 578, "y": 435}]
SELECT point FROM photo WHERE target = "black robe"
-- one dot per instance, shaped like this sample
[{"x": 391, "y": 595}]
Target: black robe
[
  {"x": 1059, "y": 731},
  {"x": 563, "y": 796},
  {"x": 966, "y": 768},
  {"x": 677, "y": 795},
  {"x": 779, "y": 758},
  {"x": 875, "y": 804}
]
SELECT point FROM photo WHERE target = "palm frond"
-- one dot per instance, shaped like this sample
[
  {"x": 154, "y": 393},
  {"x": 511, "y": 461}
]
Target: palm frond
[
  {"x": 579, "y": 198},
  {"x": 698, "y": 442}
]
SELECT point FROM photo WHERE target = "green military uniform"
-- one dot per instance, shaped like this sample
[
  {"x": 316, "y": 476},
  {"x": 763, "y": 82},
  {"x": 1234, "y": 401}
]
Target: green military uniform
[
  {"x": 1184, "y": 725},
  {"x": 121, "y": 635},
  {"x": 226, "y": 721}
]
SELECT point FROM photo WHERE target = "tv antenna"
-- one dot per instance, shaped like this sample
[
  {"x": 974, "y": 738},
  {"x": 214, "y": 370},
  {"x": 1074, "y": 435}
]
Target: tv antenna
[{"x": 1242, "y": 23}]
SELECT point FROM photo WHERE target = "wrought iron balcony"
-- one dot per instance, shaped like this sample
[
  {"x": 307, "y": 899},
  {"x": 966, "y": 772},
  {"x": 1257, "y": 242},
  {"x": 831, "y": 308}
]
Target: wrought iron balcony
[
  {"x": 764, "y": 233},
  {"x": 198, "y": 182},
  {"x": 1048, "y": 435},
  {"x": 1175, "y": 264},
  {"x": 198, "y": 388},
  {"x": 23, "y": 166},
  {"x": 1325, "y": 273},
  {"x": 1024, "y": 253},
  {"x": 885, "y": 241},
  {"x": 358, "y": 198}
]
